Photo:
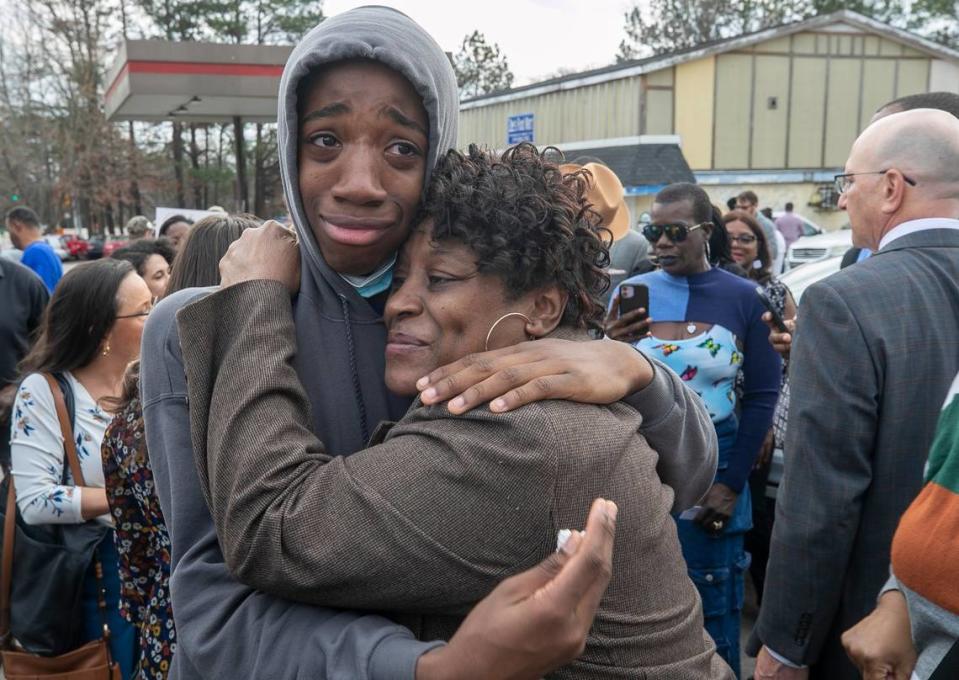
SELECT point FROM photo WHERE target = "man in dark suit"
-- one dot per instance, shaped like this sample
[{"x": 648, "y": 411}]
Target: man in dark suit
[{"x": 873, "y": 359}]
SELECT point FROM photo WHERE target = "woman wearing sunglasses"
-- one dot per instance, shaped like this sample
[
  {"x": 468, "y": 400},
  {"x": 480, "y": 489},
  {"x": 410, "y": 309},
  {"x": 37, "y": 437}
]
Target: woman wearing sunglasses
[
  {"x": 706, "y": 325},
  {"x": 90, "y": 333}
]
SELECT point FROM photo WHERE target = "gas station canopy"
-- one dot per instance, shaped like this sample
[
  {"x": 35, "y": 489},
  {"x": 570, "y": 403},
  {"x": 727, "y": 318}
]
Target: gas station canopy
[{"x": 154, "y": 80}]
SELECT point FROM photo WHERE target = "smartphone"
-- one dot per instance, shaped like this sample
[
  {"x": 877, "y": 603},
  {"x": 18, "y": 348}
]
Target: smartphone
[
  {"x": 632, "y": 296},
  {"x": 768, "y": 304}
]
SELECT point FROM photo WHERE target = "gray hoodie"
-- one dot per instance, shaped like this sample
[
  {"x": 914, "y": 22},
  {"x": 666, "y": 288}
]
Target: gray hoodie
[
  {"x": 346, "y": 389},
  {"x": 227, "y": 630}
]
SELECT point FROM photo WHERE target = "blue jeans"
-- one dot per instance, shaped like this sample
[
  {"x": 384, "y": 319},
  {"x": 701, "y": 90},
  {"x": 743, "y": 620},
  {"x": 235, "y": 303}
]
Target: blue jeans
[
  {"x": 716, "y": 564},
  {"x": 123, "y": 636}
]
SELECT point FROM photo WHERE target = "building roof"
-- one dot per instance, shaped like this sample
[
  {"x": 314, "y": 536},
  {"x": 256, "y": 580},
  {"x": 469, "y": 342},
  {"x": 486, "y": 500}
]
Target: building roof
[
  {"x": 635, "y": 67},
  {"x": 641, "y": 165}
]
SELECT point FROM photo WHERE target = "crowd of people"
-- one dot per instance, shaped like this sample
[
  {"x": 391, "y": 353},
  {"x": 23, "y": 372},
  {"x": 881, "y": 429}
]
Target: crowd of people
[{"x": 425, "y": 432}]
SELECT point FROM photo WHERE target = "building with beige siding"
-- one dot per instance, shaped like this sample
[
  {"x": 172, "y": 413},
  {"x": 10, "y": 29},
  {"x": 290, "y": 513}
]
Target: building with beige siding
[{"x": 775, "y": 111}]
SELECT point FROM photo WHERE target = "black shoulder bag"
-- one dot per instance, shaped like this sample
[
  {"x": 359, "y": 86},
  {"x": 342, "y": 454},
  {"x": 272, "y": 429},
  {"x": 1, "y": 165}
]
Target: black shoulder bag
[{"x": 45, "y": 565}]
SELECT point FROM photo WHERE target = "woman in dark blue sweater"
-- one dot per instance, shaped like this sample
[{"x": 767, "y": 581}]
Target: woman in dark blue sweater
[{"x": 706, "y": 325}]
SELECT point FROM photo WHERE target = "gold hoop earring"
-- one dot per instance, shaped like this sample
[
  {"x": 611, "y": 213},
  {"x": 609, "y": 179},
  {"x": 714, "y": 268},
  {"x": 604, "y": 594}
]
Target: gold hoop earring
[{"x": 496, "y": 323}]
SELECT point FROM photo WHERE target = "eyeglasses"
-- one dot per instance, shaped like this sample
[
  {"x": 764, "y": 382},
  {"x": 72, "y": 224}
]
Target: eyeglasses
[
  {"x": 745, "y": 239},
  {"x": 843, "y": 182},
  {"x": 676, "y": 233},
  {"x": 137, "y": 314}
]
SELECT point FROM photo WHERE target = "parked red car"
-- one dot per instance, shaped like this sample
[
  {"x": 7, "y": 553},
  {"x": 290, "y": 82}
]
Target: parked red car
[
  {"x": 111, "y": 247},
  {"x": 101, "y": 247},
  {"x": 77, "y": 247}
]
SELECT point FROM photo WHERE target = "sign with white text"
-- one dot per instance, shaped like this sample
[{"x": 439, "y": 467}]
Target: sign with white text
[{"x": 519, "y": 129}]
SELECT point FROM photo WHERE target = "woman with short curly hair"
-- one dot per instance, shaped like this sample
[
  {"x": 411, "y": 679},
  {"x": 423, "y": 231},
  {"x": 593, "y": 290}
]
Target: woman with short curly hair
[
  {"x": 525, "y": 224},
  {"x": 424, "y": 523}
]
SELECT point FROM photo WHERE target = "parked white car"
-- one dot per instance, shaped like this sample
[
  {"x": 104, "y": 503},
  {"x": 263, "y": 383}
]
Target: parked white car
[
  {"x": 820, "y": 247},
  {"x": 799, "y": 279},
  {"x": 56, "y": 243}
]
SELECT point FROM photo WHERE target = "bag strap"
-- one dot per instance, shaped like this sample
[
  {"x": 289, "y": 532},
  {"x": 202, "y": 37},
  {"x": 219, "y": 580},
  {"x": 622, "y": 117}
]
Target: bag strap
[
  {"x": 66, "y": 429},
  {"x": 70, "y": 400},
  {"x": 6, "y": 575},
  {"x": 68, "y": 396}
]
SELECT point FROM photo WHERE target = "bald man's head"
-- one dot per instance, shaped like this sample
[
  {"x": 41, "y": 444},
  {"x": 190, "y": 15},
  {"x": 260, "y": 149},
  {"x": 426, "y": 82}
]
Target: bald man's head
[
  {"x": 906, "y": 166},
  {"x": 923, "y": 142}
]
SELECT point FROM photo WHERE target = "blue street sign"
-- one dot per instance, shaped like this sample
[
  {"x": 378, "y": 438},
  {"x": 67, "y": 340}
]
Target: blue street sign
[{"x": 519, "y": 129}]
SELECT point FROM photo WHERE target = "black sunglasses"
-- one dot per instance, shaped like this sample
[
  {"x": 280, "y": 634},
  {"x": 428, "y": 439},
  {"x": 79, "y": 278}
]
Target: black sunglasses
[{"x": 676, "y": 233}]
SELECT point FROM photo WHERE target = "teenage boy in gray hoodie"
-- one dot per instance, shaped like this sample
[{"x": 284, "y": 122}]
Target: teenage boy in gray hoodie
[{"x": 227, "y": 630}]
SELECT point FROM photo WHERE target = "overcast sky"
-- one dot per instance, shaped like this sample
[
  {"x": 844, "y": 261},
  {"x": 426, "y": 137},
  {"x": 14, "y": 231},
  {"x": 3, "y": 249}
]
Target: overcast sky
[{"x": 538, "y": 37}]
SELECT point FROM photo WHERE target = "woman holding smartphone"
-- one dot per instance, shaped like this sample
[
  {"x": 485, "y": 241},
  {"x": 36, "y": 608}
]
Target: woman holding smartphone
[{"x": 706, "y": 325}]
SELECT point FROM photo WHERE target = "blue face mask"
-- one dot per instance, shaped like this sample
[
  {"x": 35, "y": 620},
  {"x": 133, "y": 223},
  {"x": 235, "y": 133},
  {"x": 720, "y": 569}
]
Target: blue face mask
[
  {"x": 375, "y": 283},
  {"x": 384, "y": 281}
]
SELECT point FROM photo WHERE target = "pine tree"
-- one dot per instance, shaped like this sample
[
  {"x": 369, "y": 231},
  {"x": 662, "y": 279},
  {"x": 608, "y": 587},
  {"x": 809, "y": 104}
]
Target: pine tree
[
  {"x": 175, "y": 19},
  {"x": 480, "y": 67},
  {"x": 263, "y": 22},
  {"x": 937, "y": 20}
]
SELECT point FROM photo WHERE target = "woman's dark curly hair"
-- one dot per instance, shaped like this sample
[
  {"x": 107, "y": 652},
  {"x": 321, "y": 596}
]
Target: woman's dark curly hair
[{"x": 527, "y": 223}]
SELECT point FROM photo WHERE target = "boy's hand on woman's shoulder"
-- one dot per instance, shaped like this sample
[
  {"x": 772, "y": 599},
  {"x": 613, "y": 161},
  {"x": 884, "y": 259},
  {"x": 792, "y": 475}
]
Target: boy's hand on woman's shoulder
[{"x": 269, "y": 252}]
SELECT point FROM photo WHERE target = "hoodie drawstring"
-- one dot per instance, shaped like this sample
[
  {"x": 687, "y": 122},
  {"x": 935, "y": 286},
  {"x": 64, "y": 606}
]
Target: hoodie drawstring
[{"x": 357, "y": 392}]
